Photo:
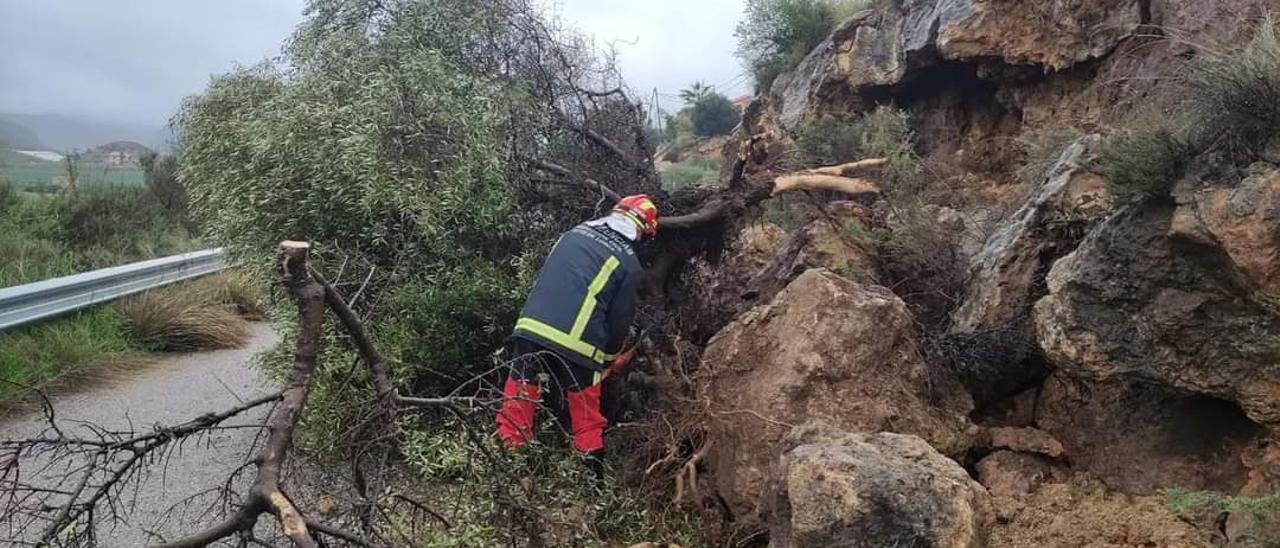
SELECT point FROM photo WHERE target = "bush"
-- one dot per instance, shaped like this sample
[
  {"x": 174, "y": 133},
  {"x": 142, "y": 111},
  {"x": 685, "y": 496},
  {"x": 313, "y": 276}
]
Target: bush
[
  {"x": 1234, "y": 107},
  {"x": 922, "y": 262},
  {"x": 1144, "y": 164},
  {"x": 449, "y": 322},
  {"x": 882, "y": 133},
  {"x": 572, "y": 507},
  {"x": 714, "y": 114},
  {"x": 1237, "y": 89}
]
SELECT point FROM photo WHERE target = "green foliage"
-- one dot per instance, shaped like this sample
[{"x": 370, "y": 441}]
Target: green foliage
[
  {"x": 55, "y": 353},
  {"x": 8, "y": 195},
  {"x": 572, "y": 508},
  {"x": 385, "y": 145},
  {"x": 161, "y": 174},
  {"x": 714, "y": 114},
  {"x": 1237, "y": 88},
  {"x": 774, "y": 35},
  {"x": 691, "y": 173},
  {"x": 1234, "y": 107},
  {"x": 854, "y": 231},
  {"x": 882, "y": 133},
  {"x": 452, "y": 320},
  {"x": 695, "y": 92},
  {"x": 1263, "y": 509},
  {"x": 47, "y": 236},
  {"x": 1269, "y": 300},
  {"x": 1144, "y": 164}
]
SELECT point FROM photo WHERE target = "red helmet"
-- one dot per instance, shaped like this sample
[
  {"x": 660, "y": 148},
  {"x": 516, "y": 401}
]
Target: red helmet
[{"x": 640, "y": 208}]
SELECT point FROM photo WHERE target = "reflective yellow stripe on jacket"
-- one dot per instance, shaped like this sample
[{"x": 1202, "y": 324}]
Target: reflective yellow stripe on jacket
[{"x": 573, "y": 339}]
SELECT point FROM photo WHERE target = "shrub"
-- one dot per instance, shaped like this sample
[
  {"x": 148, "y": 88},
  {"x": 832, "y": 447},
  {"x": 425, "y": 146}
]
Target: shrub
[
  {"x": 714, "y": 114},
  {"x": 161, "y": 175},
  {"x": 1237, "y": 89},
  {"x": 922, "y": 262},
  {"x": 1144, "y": 164},
  {"x": 885, "y": 132},
  {"x": 449, "y": 321},
  {"x": 573, "y": 508}
]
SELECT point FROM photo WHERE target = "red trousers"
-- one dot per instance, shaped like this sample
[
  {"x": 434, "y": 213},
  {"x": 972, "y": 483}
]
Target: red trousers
[{"x": 521, "y": 394}]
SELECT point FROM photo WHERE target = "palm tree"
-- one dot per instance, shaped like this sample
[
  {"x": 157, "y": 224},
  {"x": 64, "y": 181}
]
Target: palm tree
[{"x": 695, "y": 92}]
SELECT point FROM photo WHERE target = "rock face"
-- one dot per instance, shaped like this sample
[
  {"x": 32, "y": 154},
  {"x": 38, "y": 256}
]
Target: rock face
[
  {"x": 1140, "y": 438},
  {"x": 877, "y": 48},
  {"x": 827, "y": 349},
  {"x": 1244, "y": 221},
  {"x": 872, "y": 490},
  {"x": 1008, "y": 273},
  {"x": 1134, "y": 303}
]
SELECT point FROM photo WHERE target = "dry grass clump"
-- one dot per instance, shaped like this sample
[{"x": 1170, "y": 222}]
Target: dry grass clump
[
  {"x": 209, "y": 313},
  {"x": 237, "y": 289}
]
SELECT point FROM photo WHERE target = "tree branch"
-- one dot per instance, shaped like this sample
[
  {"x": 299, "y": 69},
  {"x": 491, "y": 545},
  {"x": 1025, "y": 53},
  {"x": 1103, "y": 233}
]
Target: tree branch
[{"x": 564, "y": 172}]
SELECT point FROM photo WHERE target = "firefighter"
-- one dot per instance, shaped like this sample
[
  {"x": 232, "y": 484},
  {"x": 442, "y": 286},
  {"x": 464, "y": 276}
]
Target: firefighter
[{"x": 576, "y": 323}]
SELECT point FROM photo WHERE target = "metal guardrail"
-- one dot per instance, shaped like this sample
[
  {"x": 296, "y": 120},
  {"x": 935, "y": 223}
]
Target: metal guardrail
[{"x": 27, "y": 303}]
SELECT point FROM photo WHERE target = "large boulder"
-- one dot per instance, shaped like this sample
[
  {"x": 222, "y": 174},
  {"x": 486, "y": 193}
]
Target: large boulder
[
  {"x": 872, "y": 490},
  {"x": 1134, "y": 302},
  {"x": 826, "y": 348},
  {"x": 1008, "y": 273},
  {"x": 1244, "y": 220}
]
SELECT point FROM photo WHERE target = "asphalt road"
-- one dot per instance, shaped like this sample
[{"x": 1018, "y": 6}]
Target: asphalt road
[{"x": 179, "y": 389}]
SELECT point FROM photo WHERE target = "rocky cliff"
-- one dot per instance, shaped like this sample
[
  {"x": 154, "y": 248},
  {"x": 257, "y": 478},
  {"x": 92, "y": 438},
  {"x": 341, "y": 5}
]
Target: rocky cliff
[{"x": 1099, "y": 354}]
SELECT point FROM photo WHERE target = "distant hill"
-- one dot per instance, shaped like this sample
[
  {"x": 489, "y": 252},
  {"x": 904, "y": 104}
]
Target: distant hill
[
  {"x": 19, "y": 137},
  {"x": 67, "y": 133}
]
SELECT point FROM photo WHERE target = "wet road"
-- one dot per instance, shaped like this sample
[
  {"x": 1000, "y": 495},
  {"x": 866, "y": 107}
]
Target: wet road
[{"x": 176, "y": 390}]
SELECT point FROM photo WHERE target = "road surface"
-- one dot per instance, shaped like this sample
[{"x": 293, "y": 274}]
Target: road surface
[{"x": 174, "y": 391}]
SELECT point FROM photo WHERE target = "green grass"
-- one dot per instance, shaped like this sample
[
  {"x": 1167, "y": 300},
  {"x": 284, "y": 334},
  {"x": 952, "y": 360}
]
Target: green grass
[
  {"x": 691, "y": 173},
  {"x": 53, "y": 354},
  {"x": 25, "y": 177},
  {"x": 44, "y": 236}
]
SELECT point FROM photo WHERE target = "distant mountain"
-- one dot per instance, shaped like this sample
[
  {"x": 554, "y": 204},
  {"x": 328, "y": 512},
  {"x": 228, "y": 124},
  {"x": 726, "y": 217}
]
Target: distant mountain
[
  {"x": 67, "y": 133},
  {"x": 18, "y": 137}
]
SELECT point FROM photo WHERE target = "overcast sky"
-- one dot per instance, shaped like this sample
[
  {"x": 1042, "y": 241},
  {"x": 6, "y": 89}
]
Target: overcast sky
[{"x": 134, "y": 60}]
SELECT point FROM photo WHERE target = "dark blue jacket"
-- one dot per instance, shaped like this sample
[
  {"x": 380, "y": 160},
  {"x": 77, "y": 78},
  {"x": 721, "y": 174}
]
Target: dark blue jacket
[{"x": 584, "y": 300}]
